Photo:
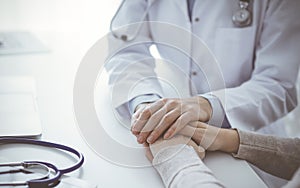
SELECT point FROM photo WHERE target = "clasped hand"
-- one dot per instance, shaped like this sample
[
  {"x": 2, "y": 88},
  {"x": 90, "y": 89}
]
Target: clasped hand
[{"x": 166, "y": 117}]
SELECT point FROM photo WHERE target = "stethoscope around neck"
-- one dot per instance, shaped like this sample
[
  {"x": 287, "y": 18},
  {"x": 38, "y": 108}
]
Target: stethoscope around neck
[
  {"x": 241, "y": 18},
  {"x": 44, "y": 180}
]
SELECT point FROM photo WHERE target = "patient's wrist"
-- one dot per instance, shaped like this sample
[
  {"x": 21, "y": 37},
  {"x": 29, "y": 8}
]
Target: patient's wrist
[{"x": 229, "y": 140}]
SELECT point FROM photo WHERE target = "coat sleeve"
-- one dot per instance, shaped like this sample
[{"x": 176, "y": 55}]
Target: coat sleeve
[
  {"x": 270, "y": 93},
  {"x": 277, "y": 156},
  {"x": 131, "y": 66}
]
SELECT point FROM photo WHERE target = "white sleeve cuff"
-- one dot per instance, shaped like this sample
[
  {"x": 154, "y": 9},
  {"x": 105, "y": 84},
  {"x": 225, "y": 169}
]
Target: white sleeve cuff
[{"x": 218, "y": 117}]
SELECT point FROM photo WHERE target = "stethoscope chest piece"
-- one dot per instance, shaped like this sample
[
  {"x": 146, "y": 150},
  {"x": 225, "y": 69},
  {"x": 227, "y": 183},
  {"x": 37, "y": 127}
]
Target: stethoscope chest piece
[{"x": 242, "y": 17}]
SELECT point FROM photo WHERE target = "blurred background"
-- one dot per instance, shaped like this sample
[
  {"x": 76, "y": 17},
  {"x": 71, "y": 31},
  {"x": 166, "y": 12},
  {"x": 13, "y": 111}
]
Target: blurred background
[
  {"x": 67, "y": 28},
  {"x": 85, "y": 20}
]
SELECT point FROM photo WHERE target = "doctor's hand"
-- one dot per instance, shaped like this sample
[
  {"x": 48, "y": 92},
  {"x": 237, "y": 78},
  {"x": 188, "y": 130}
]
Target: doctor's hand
[
  {"x": 160, "y": 144},
  {"x": 212, "y": 138},
  {"x": 168, "y": 116}
]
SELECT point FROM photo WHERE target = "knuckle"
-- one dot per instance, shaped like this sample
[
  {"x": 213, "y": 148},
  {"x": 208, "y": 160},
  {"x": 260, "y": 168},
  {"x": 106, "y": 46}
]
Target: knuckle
[
  {"x": 147, "y": 129},
  {"x": 155, "y": 134},
  {"x": 164, "y": 100},
  {"x": 156, "y": 116},
  {"x": 146, "y": 113},
  {"x": 168, "y": 119},
  {"x": 144, "y": 133},
  {"x": 178, "y": 111},
  {"x": 173, "y": 103},
  {"x": 173, "y": 129},
  {"x": 140, "y": 122},
  {"x": 189, "y": 108}
]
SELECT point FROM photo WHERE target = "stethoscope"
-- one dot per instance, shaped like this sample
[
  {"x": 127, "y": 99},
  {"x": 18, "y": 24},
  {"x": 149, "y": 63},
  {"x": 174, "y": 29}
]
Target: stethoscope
[
  {"x": 126, "y": 37},
  {"x": 28, "y": 166},
  {"x": 241, "y": 18}
]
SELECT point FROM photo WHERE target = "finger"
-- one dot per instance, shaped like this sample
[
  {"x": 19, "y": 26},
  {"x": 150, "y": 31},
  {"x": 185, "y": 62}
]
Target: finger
[
  {"x": 179, "y": 124},
  {"x": 151, "y": 124},
  {"x": 137, "y": 113},
  {"x": 188, "y": 131},
  {"x": 199, "y": 150},
  {"x": 148, "y": 152},
  {"x": 169, "y": 105},
  {"x": 145, "y": 114},
  {"x": 135, "y": 117},
  {"x": 200, "y": 124},
  {"x": 194, "y": 124},
  {"x": 139, "y": 110},
  {"x": 164, "y": 124},
  {"x": 195, "y": 133}
]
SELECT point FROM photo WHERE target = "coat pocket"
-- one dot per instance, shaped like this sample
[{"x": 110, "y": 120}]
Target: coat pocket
[{"x": 234, "y": 50}]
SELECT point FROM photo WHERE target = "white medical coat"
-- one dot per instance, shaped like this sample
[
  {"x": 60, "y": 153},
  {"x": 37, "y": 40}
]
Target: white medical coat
[{"x": 259, "y": 63}]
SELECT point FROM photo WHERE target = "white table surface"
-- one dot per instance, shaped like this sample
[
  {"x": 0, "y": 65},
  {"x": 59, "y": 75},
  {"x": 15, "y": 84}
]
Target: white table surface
[{"x": 54, "y": 72}]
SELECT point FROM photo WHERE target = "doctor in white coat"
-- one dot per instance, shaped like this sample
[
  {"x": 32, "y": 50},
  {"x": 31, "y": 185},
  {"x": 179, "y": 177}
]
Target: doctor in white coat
[{"x": 258, "y": 59}]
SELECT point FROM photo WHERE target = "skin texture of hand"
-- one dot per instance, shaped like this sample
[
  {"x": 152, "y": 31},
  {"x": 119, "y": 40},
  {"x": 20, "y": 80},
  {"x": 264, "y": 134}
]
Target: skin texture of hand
[
  {"x": 168, "y": 116},
  {"x": 212, "y": 138},
  {"x": 153, "y": 149}
]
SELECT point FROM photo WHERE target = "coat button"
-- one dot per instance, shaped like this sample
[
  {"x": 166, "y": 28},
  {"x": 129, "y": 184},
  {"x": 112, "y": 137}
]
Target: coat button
[
  {"x": 197, "y": 19},
  {"x": 194, "y": 73}
]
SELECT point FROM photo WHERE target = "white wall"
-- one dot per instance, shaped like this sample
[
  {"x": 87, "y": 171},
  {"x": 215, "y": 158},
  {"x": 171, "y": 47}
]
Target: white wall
[{"x": 89, "y": 19}]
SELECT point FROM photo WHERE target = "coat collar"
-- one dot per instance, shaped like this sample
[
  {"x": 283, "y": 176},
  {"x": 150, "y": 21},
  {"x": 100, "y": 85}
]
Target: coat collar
[{"x": 182, "y": 4}]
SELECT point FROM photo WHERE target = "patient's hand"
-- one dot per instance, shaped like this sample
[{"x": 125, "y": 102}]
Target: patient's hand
[
  {"x": 212, "y": 138},
  {"x": 153, "y": 149}
]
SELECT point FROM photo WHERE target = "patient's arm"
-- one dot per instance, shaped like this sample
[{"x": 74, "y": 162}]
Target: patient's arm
[
  {"x": 179, "y": 165},
  {"x": 277, "y": 156}
]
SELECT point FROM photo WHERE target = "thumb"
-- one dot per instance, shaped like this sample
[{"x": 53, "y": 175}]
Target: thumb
[{"x": 199, "y": 150}]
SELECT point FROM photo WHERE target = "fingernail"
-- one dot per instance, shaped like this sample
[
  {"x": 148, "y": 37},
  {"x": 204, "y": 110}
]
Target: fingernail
[
  {"x": 167, "y": 135},
  {"x": 133, "y": 131},
  {"x": 150, "y": 139},
  {"x": 140, "y": 139}
]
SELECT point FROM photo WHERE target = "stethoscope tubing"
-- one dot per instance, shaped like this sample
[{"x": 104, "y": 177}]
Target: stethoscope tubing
[
  {"x": 126, "y": 38},
  {"x": 49, "y": 182},
  {"x": 49, "y": 145}
]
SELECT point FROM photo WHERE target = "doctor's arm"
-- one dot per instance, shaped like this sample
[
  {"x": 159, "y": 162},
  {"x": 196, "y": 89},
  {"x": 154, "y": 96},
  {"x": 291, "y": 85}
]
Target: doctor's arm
[{"x": 132, "y": 78}]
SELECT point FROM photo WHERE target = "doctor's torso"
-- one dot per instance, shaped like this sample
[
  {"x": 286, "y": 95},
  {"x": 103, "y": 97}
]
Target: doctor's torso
[{"x": 211, "y": 21}]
